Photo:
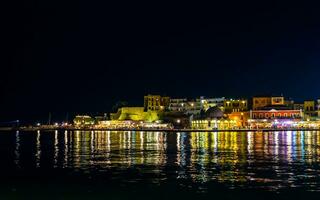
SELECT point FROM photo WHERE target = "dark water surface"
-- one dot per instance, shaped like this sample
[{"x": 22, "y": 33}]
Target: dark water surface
[{"x": 159, "y": 165}]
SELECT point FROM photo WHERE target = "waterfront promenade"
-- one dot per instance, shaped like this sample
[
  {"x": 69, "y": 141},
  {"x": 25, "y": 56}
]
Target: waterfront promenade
[{"x": 152, "y": 130}]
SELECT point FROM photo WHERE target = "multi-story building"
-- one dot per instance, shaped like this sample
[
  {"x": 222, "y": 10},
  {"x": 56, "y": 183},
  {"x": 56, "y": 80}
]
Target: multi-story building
[
  {"x": 263, "y": 101},
  {"x": 156, "y": 103},
  {"x": 260, "y": 101},
  {"x": 81, "y": 120},
  {"x": 212, "y": 102},
  {"x": 276, "y": 114},
  {"x": 275, "y": 107},
  {"x": 309, "y": 107},
  {"x": 178, "y": 105},
  {"x": 194, "y": 106},
  {"x": 184, "y": 106},
  {"x": 235, "y": 105},
  {"x": 298, "y": 106},
  {"x": 241, "y": 118},
  {"x": 289, "y": 103}
]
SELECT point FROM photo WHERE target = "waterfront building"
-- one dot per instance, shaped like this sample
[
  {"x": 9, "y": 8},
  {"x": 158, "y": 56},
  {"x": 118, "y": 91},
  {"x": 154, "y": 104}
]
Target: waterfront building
[
  {"x": 235, "y": 105},
  {"x": 213, "y": 119},
  {"x": 263, "y": 101},
  {"x": 135, "y": 114},
  {"x": 211, "y": 102},
  {"x": 275, "y": 117},
  {"x": 178, "y": 105},
  {"x": 156, "y": 103},
  {"x": 260, "y": 101},
  {"x": 274, "y": 107},
  {"x": 290, "y": 104},
  {"x": 194, "y": 107},
  {"x": 309, "y": 109},
  {"x": 129, "y": 124},
  {"x": 241, "y": 118},
  {"x": 280, "y": 113},
  {"x": 214, "y": 124},
  {"x": 298, "y": 106},
  {"x": 83, "y": 120}
]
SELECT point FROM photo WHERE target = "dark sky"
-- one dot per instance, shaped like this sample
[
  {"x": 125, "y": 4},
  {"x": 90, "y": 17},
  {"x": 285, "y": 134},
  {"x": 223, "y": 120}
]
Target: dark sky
[{"x": 83, "y": 56}]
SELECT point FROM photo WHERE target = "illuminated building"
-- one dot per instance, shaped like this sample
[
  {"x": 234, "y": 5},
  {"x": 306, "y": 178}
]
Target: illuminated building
[
  {"x": 235, "y": 105},
  {"x": 213, "y": 119},
  {"x": 214, "y": 124},
  {"x": 207, "y": 103},
  {"x": 263, "y": 101},
  {"x": 274, "y": 112},
  {"x": 241, "y": 118},
  {"x": 156, "y": 103},
  {"x": 135, "y": 114},
  {"x": 194, "y": 107},
  {"x": 274, "y": 107},
  {"x": 83, "y": 120},
  {"x": 277, "y": 101},
  {"x": 309, "y": 109},
  {"x": 129, "y": 124},
  {"x": 298, "y": 106},
  {"x": 178, "y": 105},
  {"x": 259, "y": 102},
  {"x": 281, "y": 113}
]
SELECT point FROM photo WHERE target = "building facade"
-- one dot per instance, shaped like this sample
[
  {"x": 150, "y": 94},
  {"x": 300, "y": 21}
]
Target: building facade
[
  {"x": 235, "y": 105},
  {"x": 260, "y": 102},
  {"x": 276, "y": 114},
  {"x": 298, "y": 106},
  {"x": 135, "y": 114},
  {"x": 241, "y": 118},
  {"x": 83, "y": 120},
  {"x": 310, "y": 109},
  {"x": 156, "y": 103},
  {"x": 214, "y": 124},
  {"x": 194, "y": 107},
  {"x": 263, "y": 101},
  {"x": 178, "y": 105}
]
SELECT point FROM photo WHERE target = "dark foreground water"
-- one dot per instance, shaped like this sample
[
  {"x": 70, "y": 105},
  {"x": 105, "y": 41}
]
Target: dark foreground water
[{"x": 159, "y": 165}]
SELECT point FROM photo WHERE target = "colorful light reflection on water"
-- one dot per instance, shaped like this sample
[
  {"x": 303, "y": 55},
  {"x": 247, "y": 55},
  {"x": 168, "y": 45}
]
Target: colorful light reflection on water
[{"x": 268, "y": 160}]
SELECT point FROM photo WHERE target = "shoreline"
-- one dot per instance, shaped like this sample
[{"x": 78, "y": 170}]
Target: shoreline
[{"x": 151, "y": 130}]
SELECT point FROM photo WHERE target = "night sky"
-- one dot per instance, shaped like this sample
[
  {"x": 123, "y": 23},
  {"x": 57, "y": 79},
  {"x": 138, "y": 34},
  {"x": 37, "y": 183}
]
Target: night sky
[{"x": 83, "y": 56}]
